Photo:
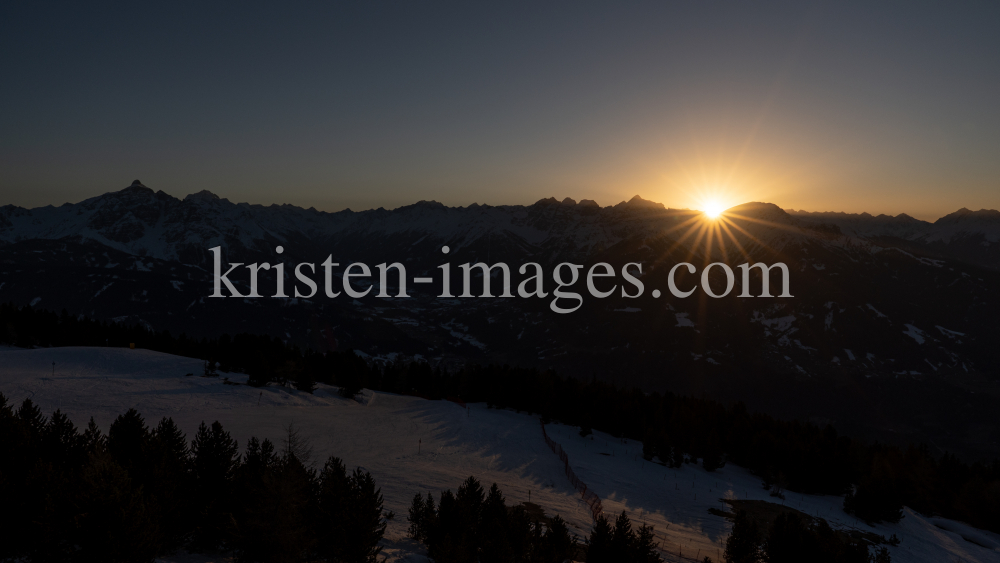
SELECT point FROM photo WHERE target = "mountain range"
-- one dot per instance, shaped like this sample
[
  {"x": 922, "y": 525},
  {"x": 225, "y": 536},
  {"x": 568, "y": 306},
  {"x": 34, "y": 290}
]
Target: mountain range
[{"x": 890, "y": 333}]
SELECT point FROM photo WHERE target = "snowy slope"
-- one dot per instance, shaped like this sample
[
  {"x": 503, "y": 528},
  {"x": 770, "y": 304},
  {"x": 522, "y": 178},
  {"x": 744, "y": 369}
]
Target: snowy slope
[{"x": 381, "y": 434}]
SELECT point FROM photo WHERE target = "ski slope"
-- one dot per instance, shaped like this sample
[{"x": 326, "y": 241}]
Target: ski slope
[{"x": 414, "y": 445}]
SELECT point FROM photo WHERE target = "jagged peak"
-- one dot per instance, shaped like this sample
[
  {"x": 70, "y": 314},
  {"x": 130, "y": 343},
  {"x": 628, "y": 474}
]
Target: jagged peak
[
  {"x": 588, "y": 203},
  {"x": 638, "y": 202},
  {"x": 568, "y": 201}
]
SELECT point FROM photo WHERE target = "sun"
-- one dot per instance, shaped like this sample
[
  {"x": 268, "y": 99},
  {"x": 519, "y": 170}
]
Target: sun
[{"x": 713, "y": 209}]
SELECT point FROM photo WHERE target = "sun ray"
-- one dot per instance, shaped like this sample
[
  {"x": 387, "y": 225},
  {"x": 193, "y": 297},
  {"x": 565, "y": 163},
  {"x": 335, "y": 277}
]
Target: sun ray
[
  {"x": 725, "y": 228},
  {"x": 750, "y": 236},
  {"x": 789, "y": 228}
]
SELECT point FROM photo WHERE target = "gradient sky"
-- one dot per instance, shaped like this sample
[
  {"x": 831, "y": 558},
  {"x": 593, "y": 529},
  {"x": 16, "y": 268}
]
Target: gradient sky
[{"x": 834, "y": 106}]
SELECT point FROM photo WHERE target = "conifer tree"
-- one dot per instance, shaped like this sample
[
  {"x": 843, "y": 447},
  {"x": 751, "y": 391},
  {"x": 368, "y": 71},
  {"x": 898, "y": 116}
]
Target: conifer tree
[
  {"x": 415, "y": 518},
  {"x": 742, "y": 545},
  {"x": 33, "y": 420},
  {"x": 304, "y": 380},
  {"x": 789, "y": 541},
  {"x": 128, "y": 444},
  {"x": 117, "y": 523},
  {"x": 333, "y": 510},
  {"x": 350, "y": 381},
  {"x": 557, "y": 545},
  {"x": 62, "y": 444},
  {"x": 429, "y": 519},
  {"x": 367, "y": 521},
  {"x": 599, "y": 548},
  {"x": 93, "y": 438},
  {"x": 622, "y": 538},
  {"x": 171, "y": 480},
  {"x": 495, "y": 546},
  {"x": 445, "y": 542},
  {"x": 216, "y": 457},
  {"x": 646, "y": 547}
]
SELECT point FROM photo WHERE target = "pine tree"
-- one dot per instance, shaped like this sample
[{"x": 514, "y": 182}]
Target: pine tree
[
  {"x": 443, "y": 546},
  {"x": 334, "y": 510},
  {"x": 62, "y": 444},
  {"x": 304, "y": 381},
  {"x": 415, "y": 518},
  {"x": 117, "y": 523},
  {"x": 677, "y": 460},
  {"x": 712, "y": 458},
  {"x": 367, "y": 522},
  {"x": 494, "y": 529},
  {"x": 789, "y": 541},
  {"x": 33, "y": 420},
  {"x": 93, "y": 439},
  {"x": 430, "y": 517},
  {"x": 646, "y": 547},
  {"x": 599, "y": 549},
  {"x": 129, "y": 444},
  {"x": 350, "y": 381},
  {"x": 171, "y": 480},
  {"x": 875, "y": 499},
  {"x": 742, "y": 545},
  {"x": 277, "y": 522},
  {"x": 622, "y": 538},
  {"x": 557, "y": 545},
  {"x": 255, "y": 502},
  {"x": 216, "y": 458},
  {"x": 881, "y": 555}
]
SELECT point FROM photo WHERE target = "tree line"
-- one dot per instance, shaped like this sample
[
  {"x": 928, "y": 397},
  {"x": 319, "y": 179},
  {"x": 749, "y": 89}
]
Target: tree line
[
  {"x": 138, "y": 492},
  {"x": 876, "y": 479},
  {"x": 475, "y": 525},
  {"x": 789, "y": 539}
]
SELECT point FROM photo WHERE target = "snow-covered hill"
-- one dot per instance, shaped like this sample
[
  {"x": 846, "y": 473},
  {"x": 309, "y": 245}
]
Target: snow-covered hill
[{"x": 383, "y": 432}]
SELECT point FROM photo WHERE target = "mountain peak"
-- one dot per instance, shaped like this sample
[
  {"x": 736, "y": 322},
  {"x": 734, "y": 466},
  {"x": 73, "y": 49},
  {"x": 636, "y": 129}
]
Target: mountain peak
[
  {"x": 965, "y": 214},
  {"x": 762, "y": 211},
  {"x": 203, "y": 195},
  {"x": 638, "y": 202},
  {"x": 135, "y": 188}
]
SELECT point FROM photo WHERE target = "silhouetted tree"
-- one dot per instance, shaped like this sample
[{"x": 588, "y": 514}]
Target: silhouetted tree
[
  {"x": 743, "y": 544},
  {"x": 216, "y": 457}
]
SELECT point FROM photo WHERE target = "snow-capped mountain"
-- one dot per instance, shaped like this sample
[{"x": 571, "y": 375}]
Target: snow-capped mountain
[{"x": 142, "y": 222}]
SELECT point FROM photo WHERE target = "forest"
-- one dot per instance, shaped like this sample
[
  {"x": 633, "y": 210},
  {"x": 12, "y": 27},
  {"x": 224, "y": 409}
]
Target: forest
[{"x": 139, "y": 492}]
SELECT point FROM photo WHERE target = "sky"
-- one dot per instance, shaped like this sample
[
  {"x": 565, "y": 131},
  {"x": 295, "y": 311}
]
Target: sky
[{"x": 887, "y": 107}]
